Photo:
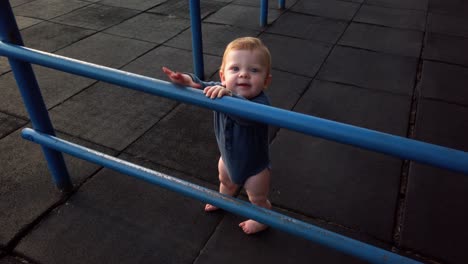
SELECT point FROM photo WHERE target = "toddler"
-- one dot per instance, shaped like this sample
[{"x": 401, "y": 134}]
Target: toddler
[{"x": 243, "y": 144}]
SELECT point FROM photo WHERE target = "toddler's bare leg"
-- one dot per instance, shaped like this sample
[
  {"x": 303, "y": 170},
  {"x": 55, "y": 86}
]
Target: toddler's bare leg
[
  {"x": 257, "y": 188},
  {"x": 226, "y": 186}
]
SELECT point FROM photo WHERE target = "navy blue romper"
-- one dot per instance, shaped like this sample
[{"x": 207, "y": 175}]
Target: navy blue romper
[{"x": 243, "y": 143}]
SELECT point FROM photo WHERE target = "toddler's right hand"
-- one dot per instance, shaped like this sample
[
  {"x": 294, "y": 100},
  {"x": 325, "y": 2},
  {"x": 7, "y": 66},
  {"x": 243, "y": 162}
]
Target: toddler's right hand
[{"x": 180, "y": 78}]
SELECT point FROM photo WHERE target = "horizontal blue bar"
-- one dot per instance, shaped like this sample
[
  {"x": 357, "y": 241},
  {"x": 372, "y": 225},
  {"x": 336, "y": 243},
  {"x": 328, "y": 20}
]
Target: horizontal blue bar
[
  {"x": 405, "y": 148},
  {"x": 273, "y": 219}
]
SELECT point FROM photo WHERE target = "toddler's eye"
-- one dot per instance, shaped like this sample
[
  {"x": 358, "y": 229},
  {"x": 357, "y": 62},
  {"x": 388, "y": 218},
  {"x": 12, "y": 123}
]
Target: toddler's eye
[
  {"x": 254, "y": 70},
  {"x": 235, "y": 68}
]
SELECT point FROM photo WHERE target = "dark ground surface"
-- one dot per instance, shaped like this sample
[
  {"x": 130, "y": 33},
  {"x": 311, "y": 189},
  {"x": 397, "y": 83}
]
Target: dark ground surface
[{"x": 396, "y": 66}]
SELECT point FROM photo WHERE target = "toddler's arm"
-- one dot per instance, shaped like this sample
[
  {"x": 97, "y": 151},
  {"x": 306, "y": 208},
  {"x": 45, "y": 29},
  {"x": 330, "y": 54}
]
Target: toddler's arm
[
  {"x": 181, "y": 78},
  {"x": 211, "y": 89}
]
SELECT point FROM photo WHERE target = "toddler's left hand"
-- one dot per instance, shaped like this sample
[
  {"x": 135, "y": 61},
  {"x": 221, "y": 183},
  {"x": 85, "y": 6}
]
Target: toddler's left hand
[{"x": 216, "y": 91}]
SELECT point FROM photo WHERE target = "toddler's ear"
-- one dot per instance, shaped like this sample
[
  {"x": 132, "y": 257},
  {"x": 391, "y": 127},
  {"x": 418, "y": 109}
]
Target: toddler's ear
[
  {"x": 221, "y": 77},
  {"x": 268, "y": 80}
]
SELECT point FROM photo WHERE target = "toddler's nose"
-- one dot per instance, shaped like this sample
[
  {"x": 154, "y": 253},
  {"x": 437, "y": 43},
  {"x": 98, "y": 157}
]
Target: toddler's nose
[{"x": 243, "y": 74}]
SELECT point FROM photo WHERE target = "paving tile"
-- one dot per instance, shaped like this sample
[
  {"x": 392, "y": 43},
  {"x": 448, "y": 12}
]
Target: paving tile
[
  {"x": 47, "y": 9},
  {"x": 370, "y": 70},
  {"x": 448, "y": 25},
  {"x": 96, "y": 16},
  {"x": 97, "y": 113},
  {"x": 50, "y": 37},
  {"x": 337, "y": 192},
  {"x": 372, "y": 109},
  {"x": 15, "y": 3},
  {"x": 135, "y": 4},
  {"x": 444, "y": 82},
  {"x": 241, "y": 16},
  {"x": 24, "y": 22},
  {"x": 9, "y": 124},
  {"x": 150, "y": 27},
  {"x": 442, "y": 124},
  {"x": 406, "y": 4},
  {"x": 449, "y": 7},
  {"x": 215, "y": 38},
  {"x": 106, "y": 50},
  {"x": 101, "y": 114},
  {"x": 12, "y": 260},
  {"x": 230, "y": 245},
  {"x": 286, "y": 89},
  {"x": 55, "y": 87},
  {"x": 383, "y": 39},
  {"x": 4, "y": 65},
  {"x": 433, "y": 193},
  {"x": 446, "y": 48},
  {"x": 27, "y": 189},
  {"x": 181, "y": 8},
  {"x": 354, "y": 1},
  {"x": 184, "y": 140},
  {"x": 327, "y": 8},
  {"x": 398, "y": 18},
  {"x": 284, "y": 92},
  {"x": 331, "y": 181},
  {"x": 310, "y": 27},
  {"x": 176, "y": 59},
  {"x": 122, "y": 224},
  {"x": 294, "y": 55}
]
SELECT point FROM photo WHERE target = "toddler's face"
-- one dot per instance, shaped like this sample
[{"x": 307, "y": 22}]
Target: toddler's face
[{"x": 245, "y": 73}]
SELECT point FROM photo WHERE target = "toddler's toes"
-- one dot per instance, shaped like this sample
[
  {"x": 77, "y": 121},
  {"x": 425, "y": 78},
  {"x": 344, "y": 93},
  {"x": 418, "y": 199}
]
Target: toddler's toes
[
  {"x": 244, "y": 228},
  {"x": 251, "y": 227},
  {"x": 210, "y": 208}
]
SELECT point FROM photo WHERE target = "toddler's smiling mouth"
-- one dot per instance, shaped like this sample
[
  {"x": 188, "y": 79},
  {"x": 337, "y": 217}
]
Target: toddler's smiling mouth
[{"x": 243, "y": 85}]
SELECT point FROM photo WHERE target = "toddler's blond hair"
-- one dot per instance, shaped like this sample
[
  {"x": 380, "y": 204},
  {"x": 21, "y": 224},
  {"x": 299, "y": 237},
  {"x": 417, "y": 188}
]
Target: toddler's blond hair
[{"x": 248, "y": 43}]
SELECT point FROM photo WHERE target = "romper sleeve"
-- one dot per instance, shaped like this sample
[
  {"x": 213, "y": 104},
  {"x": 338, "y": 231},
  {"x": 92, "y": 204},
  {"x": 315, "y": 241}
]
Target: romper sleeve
[{"x": 203, "y": 83}]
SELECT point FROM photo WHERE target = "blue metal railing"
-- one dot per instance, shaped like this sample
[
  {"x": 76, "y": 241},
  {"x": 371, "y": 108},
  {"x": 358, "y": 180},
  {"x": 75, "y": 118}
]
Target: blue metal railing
[
  {"x": 302, "y": 123},
  {"x": 197, "y": 43},
  {"x": 43, "y": 134},
  {"x": 406, "y": 148},
  {"x": 263, "y": 13},
  {"x": 231, "y": 204}
]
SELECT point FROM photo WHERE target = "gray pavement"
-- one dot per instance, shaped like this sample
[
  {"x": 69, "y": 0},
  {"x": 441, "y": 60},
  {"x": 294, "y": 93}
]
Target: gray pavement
[{"x": 396, "y": 66}]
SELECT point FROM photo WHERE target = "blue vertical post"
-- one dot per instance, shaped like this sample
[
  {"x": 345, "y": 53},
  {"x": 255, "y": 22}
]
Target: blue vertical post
[
  {"x": 282, "y": 4},
  {"x": 197, "y": 44},
  {"x": 32, "y": 97},
  {"x": 263, "y": 13}
]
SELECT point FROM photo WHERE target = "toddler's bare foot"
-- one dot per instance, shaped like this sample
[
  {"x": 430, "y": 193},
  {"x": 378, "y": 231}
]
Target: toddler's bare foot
[
  {"x": 252, "y": 227},
  {"x": 210, "y": 208}
]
